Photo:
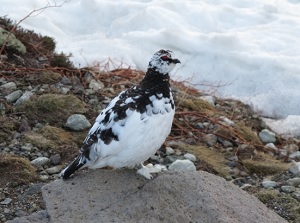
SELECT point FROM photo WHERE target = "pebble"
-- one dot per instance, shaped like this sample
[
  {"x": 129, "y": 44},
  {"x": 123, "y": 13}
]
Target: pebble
[
  {"x": 55, "y": 159},
  {"x": 294, "y": 181},
  {"x": 77, "y": 122},
  {"x": 288, "y": 189},
  {"x": 6, "y": 201},
  {"x": 169, "y": 151},
  {"x": 182, "y": 165},
  {"x": 27, "y": 147},
  {"x": 295, "y": 155},
  {"x": 210, "y": 139},
  {"x": 8, "y": 87},
  {"x": 190, "y": 157},
  {"x": 44, "y": 177},
  {"x": 12, "y": 97},
  {"x": 269, "y": 184},
  {"x": 40, "y": 161},
  {"x": 25, "y": 97},
  {"x": 227, "y": 121},
  {"x": 96, "y": 85},
  {"x": 209, "y": 99},
  {"x": 53, "y": 170},
  {"x": 267, "y": 136},
  {"x": 295, "y": 169}
]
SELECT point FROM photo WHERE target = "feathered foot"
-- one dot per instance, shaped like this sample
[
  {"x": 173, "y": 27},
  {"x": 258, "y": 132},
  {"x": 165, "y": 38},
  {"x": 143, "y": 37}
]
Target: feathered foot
[{"x": 146, "y": 171}]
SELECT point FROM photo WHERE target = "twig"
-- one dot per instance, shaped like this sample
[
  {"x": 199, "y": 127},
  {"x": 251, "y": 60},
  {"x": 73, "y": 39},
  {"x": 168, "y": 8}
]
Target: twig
[{"x": 40, "y": 10}]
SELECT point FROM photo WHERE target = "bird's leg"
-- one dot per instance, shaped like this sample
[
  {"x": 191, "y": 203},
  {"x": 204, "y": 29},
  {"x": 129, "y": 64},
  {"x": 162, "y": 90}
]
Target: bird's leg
[{"x": 148, "y": 169}]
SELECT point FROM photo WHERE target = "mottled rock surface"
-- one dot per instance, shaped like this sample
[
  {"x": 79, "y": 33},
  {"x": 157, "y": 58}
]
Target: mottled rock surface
[{"x": 124, "y": 196}]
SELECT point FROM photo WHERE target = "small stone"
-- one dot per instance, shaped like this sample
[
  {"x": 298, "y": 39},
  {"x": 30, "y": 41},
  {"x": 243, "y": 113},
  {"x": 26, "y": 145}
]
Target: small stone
[
  {"x": 199, "y": 125},
  {"x": 170, "y": 159},
  {"x": 77, "y": 122},
  {"x": 25, "y": 97},
  {"x": 296, "y": 195},
  {"x": 12, "y": 97},
  {"x": 40, "y": 161},
  {"x": 209, "y": 99},
  {"x": 225, "y": 143},
  {"x": 271, "y": 146},
  {"x": 44, "y": 177},
  {"x": 295, "y": 155},
  {"x": 27, "y": 147},
  {"x": 267, "y": 136},
  {"x": 294, "y": 181},
  {"x": 6, "y": 201},
  {"x": 182, "y": 165},
  {"x": 55, "y": 159},
  {"x": 288, "y": 189},
  {"x": 295, "y": 169},
  {"x": 169, "y": 151},
  {"x": 210, "y": 139},
  {"x": 227, "y": 121},
  {"x": 53, "y": 170},
  {"x": 155, "y": 158},
  {"x": 269, "y": 184},
  {"x": 190, "y": 157},
  {"x": 65, "y": 81},
  {"x": 8, "y": 87},
  {"x": 96, "y": 85}
]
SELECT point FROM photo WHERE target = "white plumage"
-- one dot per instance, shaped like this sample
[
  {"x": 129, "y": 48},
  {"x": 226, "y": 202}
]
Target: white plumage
[{"x": 134, "y": 125}]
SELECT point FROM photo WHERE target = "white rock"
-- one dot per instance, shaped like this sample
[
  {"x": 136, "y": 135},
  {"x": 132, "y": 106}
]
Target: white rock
[
  {"x": 295, "y": 155},
  {"x": 25, "y": 97},
  {"x": 10, "y": 86},
  {"x": 96, "y": 85},
  {"x": 190, "y": 157},
  {"x": 267, "y": 136},
  {"x": 269, "y": 184},
  {"x": 77, "y": 122},
  {"x": 40, "y": 161},
  {"x": 288, "y": 189},
  {"x": 6, "y": 201},
  {"x": 294, "y": 181},
  {"x": 169, "y": 151},
  {"x": 227, "y": 121},
  {"x": 295, "y": 169},
  {"x": 53, "y": 170},
  {"x": 182, "y": 165},
  {"x": 209, "y": 99},
  {"x": 12, "y": 97}
]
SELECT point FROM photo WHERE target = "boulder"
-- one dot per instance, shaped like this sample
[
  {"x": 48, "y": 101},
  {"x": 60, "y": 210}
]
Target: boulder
[{"x": 124, "y": 196}]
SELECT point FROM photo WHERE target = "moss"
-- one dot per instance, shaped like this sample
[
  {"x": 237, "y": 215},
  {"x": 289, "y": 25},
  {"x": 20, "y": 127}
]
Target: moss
[
  {"x": 51, "y": 138},
  {"x": 214, "y": 160},
  {"x": 284, "y": 205},
  {"x": 7, "y": 128},
  {"x": 16, "y": 171},
  {"x": 247, "y": 134},
  {"x": 13, "y": 43},
  {"x": 195, "y": 104},
  {"x": 263, "y": 165},
  {"x": 52, "y": 108}
]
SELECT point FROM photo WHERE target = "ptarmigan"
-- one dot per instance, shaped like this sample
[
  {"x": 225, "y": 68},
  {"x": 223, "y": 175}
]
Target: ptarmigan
[{"x": 134, "y": 124}]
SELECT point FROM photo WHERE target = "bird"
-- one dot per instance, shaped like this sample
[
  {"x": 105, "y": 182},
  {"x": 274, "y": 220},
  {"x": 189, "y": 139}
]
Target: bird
[{"x": 134, "y": 124}]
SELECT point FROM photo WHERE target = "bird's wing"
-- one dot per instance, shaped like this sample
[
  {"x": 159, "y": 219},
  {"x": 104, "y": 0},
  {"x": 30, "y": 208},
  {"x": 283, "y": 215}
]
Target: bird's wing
[{"x": 117, "y": 111}]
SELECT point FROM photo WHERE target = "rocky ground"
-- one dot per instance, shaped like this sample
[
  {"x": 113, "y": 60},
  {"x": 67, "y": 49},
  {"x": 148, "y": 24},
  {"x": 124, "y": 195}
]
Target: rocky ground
[{"x": 47, "y": 107}]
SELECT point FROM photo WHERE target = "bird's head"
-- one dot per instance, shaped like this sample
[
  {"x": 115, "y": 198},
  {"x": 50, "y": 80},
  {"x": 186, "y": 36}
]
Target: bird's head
[{"x": 163, "y": 61}]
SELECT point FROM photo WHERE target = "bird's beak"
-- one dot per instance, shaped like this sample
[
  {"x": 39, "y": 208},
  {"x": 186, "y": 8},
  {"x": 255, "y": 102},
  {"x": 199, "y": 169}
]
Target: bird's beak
[{"x": 176, "y": 61}]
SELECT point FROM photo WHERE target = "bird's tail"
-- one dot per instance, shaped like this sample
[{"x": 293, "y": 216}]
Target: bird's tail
[{"x": 72, "y": 167}]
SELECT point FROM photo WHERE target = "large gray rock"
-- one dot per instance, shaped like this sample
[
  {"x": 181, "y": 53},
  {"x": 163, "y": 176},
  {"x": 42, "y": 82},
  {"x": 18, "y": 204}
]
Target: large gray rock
[{"x": 124, "y": 196}]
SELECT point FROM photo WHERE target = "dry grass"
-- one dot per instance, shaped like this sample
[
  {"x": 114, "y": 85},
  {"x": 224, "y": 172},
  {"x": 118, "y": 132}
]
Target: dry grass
[{"x": 16, "y": 171}]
